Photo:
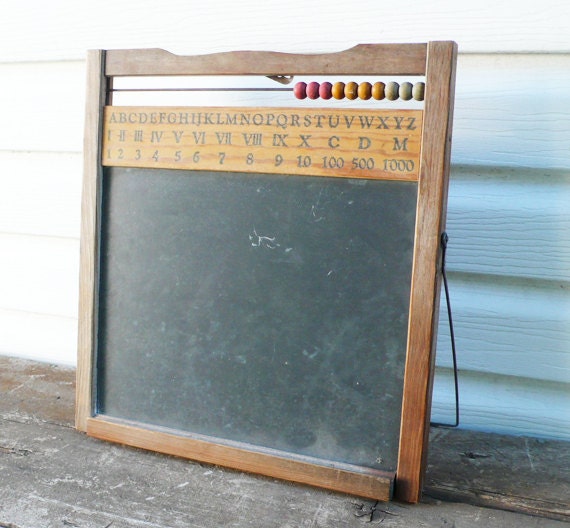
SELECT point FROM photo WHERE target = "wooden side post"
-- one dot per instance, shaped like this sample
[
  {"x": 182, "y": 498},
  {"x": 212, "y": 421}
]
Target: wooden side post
[
  {"x": 432, "y": 202},
  {"x": 95, "y": 101}
]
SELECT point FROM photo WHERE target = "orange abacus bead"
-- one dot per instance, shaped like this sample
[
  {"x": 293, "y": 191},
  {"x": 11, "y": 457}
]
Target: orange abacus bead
[
  {"x": 351, "y": 90},
  {"x": 392, "y": 91},
  {"x": 378, "y": 91},
  {"x": 364, "y": 90},
  {"x": 338, "y": 90}
]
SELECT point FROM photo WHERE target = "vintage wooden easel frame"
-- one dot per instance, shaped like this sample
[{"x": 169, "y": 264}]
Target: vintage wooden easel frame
[{"x": 434, "y": 60}]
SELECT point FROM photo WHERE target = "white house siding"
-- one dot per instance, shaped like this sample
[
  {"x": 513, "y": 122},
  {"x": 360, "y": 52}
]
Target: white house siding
[{"x": 509, "y": 200}]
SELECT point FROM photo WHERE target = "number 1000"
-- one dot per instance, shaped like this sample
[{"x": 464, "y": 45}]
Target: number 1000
[{"x": 396, "y": 165}]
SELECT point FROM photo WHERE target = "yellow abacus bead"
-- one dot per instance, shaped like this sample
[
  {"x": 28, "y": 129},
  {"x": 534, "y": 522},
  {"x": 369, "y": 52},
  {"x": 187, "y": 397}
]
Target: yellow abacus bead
[
  {"x": 406, "y": 91},
  {"x": 364, "y": 90},
  {"x": 338, "y": 90},
  {"x": 351, "y": 90},
  {"x": 392, "y": 91},
  {"x": 378, "y": 91},
  {"x": 418, "y": 91}
]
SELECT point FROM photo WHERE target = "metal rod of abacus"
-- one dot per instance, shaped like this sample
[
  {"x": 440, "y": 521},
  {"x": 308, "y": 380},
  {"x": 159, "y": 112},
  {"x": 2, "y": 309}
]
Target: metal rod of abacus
[{"x": 378, "y": 91}]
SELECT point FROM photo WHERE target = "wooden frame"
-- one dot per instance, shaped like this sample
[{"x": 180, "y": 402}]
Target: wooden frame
[{"x": 435, "y": 60}]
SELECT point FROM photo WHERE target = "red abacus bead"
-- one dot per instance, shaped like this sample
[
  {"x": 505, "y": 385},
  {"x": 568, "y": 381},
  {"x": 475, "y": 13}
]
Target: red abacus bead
[
  {"x": 300, "y": 90},
  {"x": 325, "y": 90},
  {"x": 313, "y": 90}
]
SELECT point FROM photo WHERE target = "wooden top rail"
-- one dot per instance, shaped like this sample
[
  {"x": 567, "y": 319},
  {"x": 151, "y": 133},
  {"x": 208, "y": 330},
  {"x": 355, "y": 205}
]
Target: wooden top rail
[{"x": 393, "y": 59}]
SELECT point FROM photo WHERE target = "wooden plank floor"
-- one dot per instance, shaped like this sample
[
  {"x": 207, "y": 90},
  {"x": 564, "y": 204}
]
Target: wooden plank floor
[{"x": 53, "y": 476}]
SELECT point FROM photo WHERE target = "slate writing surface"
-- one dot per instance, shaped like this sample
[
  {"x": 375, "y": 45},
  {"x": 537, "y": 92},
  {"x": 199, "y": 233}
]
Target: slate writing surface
[{"x": 266, "y": 309}]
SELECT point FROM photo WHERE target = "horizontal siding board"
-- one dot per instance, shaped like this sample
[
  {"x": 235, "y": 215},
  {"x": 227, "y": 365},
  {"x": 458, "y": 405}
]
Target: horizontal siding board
[
  {"x": 510, "y": 222},
  {"x": 43, "y": 106},
  {"x": 512, "y": 110},
  {"x": 39, "y": 275},
  {"x": 59, "y": 31},
  {"x": 504, "y": 404},
  {"x": 39, "y": 337},
  {"x": 40, "y": 193},
  {"x": 513, "y": 329}
]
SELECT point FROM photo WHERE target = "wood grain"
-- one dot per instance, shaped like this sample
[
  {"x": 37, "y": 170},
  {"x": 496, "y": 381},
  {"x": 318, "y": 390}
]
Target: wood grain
[
  {"x": 395, "y": 59},
  {"x": 432, "y": 201},
  {"x": 471, "y": 466},
  {"x": 373, "y": 484},
  {"x": 86, "y": 340},
  {"x": 371, "y": 144},
  {"x": 89, "y": 481}
]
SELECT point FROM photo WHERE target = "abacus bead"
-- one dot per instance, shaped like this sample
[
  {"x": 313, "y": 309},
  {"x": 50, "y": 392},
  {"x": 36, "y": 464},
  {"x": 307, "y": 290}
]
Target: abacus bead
[
  {"x": 351, "y": 90},
  {"x": 313, "y": 90},
  {"x": 378, "y": 91},
  {"x": 300, "y": 90},
  {"x": 392, "y": 91},
  {"x": 418, "y": 91},
  {"x": 325, "y": 90},
  {"x": 406, "y": 91},
  {"x": 338, "y": 90},
  {"x": 364, "y": 90}
]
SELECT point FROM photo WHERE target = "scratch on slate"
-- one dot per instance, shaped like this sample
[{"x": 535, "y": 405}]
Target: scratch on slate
[{"x": 262, "y": 240}]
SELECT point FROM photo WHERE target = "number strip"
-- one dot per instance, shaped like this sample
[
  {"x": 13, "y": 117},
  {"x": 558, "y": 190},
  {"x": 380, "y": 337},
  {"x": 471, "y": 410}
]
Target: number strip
[{"x": 319, "y": 142}]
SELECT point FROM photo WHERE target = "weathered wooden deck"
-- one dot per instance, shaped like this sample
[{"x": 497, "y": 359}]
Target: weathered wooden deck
[{"x": 53, "y": 476}]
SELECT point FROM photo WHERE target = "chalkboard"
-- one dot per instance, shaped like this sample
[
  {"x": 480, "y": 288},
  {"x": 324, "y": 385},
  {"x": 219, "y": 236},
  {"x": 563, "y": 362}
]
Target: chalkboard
[
  {"x": 267, "y": 309},
  {"x": 260, "y": 279}
]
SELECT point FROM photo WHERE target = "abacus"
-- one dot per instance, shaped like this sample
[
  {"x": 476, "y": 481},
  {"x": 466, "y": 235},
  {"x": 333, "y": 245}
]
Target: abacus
[
  {"x": 260, "y": 282},
  {"x": 365, "y": 90}
]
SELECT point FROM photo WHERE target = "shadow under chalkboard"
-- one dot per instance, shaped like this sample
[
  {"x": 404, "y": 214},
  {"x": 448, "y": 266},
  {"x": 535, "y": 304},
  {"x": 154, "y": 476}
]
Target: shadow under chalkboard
[{"x": 265, "y": 309}]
